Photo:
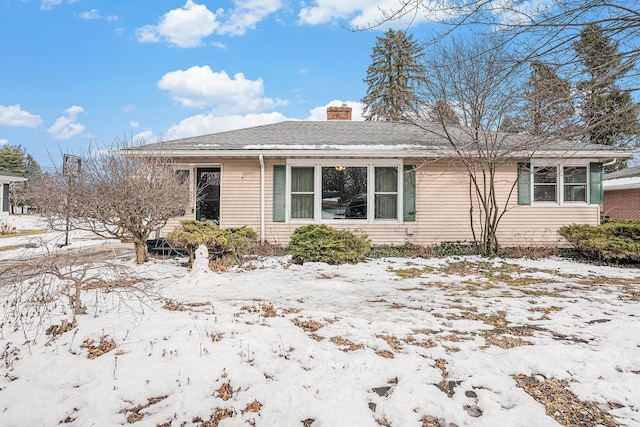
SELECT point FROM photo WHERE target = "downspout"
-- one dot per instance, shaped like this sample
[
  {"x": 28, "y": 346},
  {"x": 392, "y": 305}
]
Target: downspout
[{"x": 262, "y": 207}]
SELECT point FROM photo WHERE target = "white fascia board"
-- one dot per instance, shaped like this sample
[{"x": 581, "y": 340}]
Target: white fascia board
[
  {"x": 435, "y": 152},
  {"x": 291, "y": 153},
  {"x": 621, "y": 183},
  {"x": 9, "y": 179}
]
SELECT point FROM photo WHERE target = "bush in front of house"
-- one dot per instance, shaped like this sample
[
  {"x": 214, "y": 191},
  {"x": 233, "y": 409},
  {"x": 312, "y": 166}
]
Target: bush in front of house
[
  {"x": 615, "y": 241},
  {"x": 321, "y": 243},
  {"x": 227, "y": 244}
]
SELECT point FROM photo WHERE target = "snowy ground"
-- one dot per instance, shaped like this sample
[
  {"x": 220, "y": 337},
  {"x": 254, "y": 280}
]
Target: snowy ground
[{"x": 394, "y": 342}]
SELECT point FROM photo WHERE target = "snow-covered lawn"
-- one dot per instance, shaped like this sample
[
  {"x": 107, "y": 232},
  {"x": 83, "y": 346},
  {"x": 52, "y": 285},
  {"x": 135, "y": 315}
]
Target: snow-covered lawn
[{"x": 394, "y": 342}]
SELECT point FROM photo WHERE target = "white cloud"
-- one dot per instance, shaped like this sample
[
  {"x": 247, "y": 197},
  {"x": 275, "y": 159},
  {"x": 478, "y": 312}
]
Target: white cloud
[
  {"x": 203, "y": 124},
  {"x": 129, "y": 107},
  {"x": 144, "y": 137},
  {"x": 13, "y": 115},
  {"x": 246, "y": 14},
  {"x": 4, "y": 141},
  {"x": 199, "y": 87},
  {"x": 364, "y": 13},
  {"x": 134, "y": 125},
  {"x": 67, "y": 126},
  {"x": 90, "y": 14},
  {"x": 320, "y": 113},
  {"x": 183, "y": 27},
  {"x": 50, "y": 4},
  {"x": 112, "y": 18},
  {"x": 189, "y": 25},
  {"x": 147, "y": 34}
]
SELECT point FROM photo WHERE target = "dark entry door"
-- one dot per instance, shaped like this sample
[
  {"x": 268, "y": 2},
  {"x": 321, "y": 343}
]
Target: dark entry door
[{"x": 208, "y": 207}]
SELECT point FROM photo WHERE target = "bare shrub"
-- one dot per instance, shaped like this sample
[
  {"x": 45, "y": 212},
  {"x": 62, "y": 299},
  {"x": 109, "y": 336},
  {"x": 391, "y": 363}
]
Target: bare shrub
[
  {"x": 119, "y": 197},
  {"x": 34, "y": 289}
]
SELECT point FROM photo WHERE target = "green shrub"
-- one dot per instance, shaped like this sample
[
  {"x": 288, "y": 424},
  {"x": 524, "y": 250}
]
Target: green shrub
[
  {"x": 615, "y": 241},
  {"x": 457, "y": 248},
  {"x": 223, "y": 243},
  {"x": 321, "y": 243},
  {"x": 408, "y": 250}
]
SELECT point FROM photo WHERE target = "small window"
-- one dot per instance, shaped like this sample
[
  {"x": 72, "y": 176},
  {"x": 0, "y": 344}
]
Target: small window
[
  {"x": 386, "y": 193},
  {"x": 302, "y": 192},
  {"x": 575, "y": 184},
  {"x": 545, "y": 180}
]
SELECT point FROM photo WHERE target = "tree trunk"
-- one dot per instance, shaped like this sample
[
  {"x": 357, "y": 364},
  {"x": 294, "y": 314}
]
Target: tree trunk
[{"x": 141, "y": 251}]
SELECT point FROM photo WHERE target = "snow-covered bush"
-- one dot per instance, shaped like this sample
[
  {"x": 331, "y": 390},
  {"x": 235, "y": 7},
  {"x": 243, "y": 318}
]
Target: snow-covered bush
[{"x": 321, "y": 243}]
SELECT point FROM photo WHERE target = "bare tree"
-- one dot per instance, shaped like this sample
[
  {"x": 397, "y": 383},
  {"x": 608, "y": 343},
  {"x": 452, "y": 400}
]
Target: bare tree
[
  {"x": 481, "y": 82},
  {"x": 119, "y": 197}
]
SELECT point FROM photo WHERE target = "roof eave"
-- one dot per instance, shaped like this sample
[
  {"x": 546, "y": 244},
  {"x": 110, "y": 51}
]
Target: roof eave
[{"x": 430, "y": 152}]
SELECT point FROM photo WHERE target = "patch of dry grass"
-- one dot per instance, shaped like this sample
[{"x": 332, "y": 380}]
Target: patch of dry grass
[
  {"x": 345, "y": 345},
  {"x": 307, "y": 325},
  {"x": 562, "y": 404},
  {"x": 392, "y": 341}
]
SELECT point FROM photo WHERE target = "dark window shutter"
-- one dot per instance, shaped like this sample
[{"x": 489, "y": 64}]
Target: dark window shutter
[
  {"x": 524, "y": 183},
  {"x": 5, "y": 197},
  {"x": 279, "y": 192},
  {"x": 595, "y": 183},
  {"x": 409, "y": 193}
]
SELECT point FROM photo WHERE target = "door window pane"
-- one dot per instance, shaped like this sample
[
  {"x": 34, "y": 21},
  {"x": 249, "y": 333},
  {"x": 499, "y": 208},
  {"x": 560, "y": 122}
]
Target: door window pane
[
  {"x": 208, "y": 206},
  {"x": 344, "y": 192}
]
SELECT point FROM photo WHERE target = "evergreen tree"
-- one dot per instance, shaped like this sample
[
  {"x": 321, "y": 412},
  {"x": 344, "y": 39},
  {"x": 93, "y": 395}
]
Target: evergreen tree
[
  {"x": 608, "y": 113},
  {"x": 15, "y": 160},
  {"x": 510, "y": 125},
  {"x": 548, "y": 106},
  {"x": 394, "y": 77},
  {"x": 442, "y": 112},
  {"x": 12, "y": 159}
]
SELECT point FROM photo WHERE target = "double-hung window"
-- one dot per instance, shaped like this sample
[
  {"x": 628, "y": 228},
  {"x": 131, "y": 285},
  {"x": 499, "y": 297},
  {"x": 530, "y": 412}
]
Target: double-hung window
[
  {"x": 332, "y": 191},
  {"x": 545, "y": 188},
  {"x": 386, "y": 192},
  {"x": 302, "y": 192},
  {"x": 571, "y": 183},
  {"x": 575, "y": 183}
]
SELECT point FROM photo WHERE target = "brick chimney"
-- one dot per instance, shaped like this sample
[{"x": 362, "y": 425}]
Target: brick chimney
[{"x": 339, "y": 113}]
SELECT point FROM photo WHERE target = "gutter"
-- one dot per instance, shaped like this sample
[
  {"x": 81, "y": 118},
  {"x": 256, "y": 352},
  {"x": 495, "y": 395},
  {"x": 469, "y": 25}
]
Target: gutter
[
  {"x": 262, "y": 206},
  {"x": 435, "y": 153}
]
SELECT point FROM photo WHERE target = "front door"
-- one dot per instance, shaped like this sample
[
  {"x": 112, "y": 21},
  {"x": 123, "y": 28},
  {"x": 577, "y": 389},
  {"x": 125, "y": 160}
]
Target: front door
[{"x": 208, "y": 207}]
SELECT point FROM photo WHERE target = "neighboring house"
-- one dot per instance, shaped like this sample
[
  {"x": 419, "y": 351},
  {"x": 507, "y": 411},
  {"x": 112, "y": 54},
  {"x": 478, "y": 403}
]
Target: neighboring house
[
  {"x": 6, "y": 179},
  {"x": 393, "y": 181},
  {"x": 622, "y": 194}
]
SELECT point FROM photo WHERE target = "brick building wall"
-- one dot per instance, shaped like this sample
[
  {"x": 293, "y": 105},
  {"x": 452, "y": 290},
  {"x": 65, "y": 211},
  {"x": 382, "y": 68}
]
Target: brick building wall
[{"x": 622, "y": 204}]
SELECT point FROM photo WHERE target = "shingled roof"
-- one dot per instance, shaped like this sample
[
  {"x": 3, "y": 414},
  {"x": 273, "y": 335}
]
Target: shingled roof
[{"x": 370, "y": 138}]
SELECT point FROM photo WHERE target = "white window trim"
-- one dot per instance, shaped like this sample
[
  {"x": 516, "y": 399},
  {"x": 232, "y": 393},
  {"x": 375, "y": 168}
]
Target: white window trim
[
  {"x": 317, "y": 183},
  {"x": 560, "y": 182}
]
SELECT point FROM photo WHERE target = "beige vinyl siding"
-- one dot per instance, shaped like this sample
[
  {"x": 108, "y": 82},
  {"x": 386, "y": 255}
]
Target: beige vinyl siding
[
  {"x": 442, "y": 207},
  {"x": 240, "y": 194}
]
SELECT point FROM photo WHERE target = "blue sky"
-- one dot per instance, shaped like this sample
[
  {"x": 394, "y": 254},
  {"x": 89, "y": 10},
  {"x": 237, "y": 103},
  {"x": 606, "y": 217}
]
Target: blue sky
[{"x": 81, "y": 73}]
